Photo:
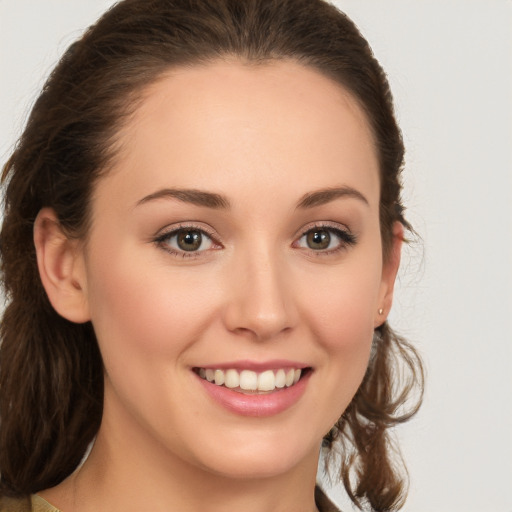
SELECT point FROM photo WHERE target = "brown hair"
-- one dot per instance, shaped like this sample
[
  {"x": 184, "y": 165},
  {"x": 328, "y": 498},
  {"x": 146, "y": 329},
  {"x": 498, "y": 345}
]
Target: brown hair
[{"x": 51, "y": 373}]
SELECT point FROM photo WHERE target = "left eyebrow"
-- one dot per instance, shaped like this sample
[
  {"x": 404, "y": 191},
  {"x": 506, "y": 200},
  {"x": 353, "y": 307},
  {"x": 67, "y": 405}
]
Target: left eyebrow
[
  {"x": 193, "y": 196},
  {"x": 326, "y": 195}
]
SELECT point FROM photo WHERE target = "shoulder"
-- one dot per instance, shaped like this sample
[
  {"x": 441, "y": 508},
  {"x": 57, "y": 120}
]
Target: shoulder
[{"x": 32, "y": 503}]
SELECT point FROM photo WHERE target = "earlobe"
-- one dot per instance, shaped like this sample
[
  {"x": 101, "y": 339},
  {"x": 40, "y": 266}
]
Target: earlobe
[
  {"x": 389, "y": 272},
  {"x": 61, "y": 267}
]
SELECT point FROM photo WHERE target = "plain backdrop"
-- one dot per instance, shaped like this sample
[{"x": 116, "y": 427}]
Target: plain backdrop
[{"x": 450, "y": 67}]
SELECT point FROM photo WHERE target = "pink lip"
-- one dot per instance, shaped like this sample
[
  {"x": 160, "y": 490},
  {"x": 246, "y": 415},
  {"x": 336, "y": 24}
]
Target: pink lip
[{"x": 256, "y": 405}]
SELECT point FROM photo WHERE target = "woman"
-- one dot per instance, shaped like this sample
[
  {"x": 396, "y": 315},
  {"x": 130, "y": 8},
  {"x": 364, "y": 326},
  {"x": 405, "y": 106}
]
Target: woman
[{"x": 202, "y": 232}]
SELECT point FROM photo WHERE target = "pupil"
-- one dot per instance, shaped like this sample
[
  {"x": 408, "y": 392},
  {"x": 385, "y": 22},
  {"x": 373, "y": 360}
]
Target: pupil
[
  {"x": 189, "y": 240},
  {"x": 319, "y": 239}
]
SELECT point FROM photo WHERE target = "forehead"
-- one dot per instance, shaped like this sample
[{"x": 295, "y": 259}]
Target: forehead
[{"x": 231, "y": 123}]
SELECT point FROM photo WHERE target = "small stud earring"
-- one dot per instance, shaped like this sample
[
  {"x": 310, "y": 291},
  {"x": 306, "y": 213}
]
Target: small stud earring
[{"x": 380, "y": 311}]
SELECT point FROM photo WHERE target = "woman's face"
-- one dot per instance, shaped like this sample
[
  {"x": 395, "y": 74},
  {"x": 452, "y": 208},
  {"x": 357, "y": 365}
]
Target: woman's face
[{"x": 236, "y": 238}]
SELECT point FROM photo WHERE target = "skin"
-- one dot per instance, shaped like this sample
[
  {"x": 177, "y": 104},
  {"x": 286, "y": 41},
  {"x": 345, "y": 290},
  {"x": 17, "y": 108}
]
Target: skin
[{"x": 263, "y": 137}]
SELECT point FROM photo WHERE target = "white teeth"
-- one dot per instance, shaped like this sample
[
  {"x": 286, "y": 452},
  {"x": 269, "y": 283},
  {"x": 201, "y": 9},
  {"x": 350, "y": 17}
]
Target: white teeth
[
  {"x": 232, "y": 379},
  {"x": 249, "y": 380},
  {"x": 219, "y": 377},
  {"x": 266, "y": 381},
  {"x": 280, "y": 379}
]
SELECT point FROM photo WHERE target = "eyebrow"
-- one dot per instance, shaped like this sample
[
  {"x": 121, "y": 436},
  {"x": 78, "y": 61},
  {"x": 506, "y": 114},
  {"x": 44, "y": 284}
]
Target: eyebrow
[
  {"x": 197, "y": 197},
  {"x": 217, "y": 201},
  {"x": 326, "y": 195}
]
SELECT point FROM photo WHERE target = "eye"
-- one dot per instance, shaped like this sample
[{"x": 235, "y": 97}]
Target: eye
[
  {"x": 325, "y": 239},
  {"x": 318, "y": 239},
  {"x": 190, "y": 241},
  {"x": 186, "y": 241}
]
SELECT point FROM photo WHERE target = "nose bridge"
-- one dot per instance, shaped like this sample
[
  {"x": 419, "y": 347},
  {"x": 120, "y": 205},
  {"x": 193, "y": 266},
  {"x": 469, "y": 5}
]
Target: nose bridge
[{"x": 260, "y": 301}]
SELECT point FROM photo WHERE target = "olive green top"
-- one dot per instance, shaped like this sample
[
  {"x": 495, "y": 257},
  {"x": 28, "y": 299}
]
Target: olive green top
[
  {"x": 32, "y": 503},
  {"x": 35, "y": 503}
]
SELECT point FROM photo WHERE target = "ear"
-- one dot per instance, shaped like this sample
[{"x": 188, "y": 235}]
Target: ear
[
  {"x": 389, "y": 272},
  {"x": 61, "y": 267}
]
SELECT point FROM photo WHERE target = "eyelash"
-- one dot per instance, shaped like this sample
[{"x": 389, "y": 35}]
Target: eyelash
[
  {"x": 163, "y": 240},
  {"x": 345, "y": 238}
]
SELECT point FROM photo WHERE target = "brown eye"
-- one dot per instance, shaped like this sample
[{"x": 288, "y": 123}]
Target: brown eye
[
  {"x": 325, "y": 239},
  {"x": 318, "y": 239},
  {"x": 183, "y": 240},
  {"x": 189, "y": 240}
]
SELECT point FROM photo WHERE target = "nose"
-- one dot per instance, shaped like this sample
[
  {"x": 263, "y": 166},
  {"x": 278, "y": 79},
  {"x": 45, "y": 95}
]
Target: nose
[{"x": 260, "y": 299}]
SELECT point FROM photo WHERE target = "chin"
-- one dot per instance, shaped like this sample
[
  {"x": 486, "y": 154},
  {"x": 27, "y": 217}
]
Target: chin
[{"x": 260, "y": 459}]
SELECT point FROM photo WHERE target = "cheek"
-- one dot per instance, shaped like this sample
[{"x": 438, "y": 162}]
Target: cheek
[
  {"x": 340, "y": 307},
  {"x": 146, "y": 317},
  {"x": 341, "y": 304},
  {"x": 145, "y": 309}
]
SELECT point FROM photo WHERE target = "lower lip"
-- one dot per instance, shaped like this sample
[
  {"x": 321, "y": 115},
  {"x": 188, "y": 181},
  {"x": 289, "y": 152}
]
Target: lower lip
[{"x": 263, "y": 405}]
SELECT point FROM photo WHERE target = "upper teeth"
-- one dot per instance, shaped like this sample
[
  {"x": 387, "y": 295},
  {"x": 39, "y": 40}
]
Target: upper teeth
[{"x": 251, "y": 381}]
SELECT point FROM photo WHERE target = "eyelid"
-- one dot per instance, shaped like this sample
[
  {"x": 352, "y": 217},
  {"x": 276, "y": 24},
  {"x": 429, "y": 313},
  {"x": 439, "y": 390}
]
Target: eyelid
[
  {"x": 169, "y": 231},
  {"x": 343, "y": 232},
  {"x": 183, "y": 226},
  {"x": 324, "y": 224}
]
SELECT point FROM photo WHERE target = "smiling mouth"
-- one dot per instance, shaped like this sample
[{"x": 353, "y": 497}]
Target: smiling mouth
[{"x": 251, "y": 382}]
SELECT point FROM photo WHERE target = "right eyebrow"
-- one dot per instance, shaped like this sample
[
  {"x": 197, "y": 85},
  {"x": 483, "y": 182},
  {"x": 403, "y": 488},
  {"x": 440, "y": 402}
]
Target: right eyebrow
[
  {"x": 326, "y": 195},
  {"x": 193, "y": 196}
]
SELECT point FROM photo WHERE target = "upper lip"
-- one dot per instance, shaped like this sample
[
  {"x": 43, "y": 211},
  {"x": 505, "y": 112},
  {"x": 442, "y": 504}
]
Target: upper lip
[{"x": 256, "y": 366}]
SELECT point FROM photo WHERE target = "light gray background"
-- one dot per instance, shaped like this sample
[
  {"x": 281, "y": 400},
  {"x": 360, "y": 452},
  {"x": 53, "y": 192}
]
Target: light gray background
[{"x": 450, "y": 68}]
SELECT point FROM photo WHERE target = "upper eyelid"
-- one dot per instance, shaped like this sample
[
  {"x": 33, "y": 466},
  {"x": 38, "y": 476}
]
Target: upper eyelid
[
  {"x": 324, "y": 225},
  {"x": 343, "y": 232},
  {"x": 212, "y": 233},
  {"x": 165, "y": 234},
  {"x": 184, "y": 226}
]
